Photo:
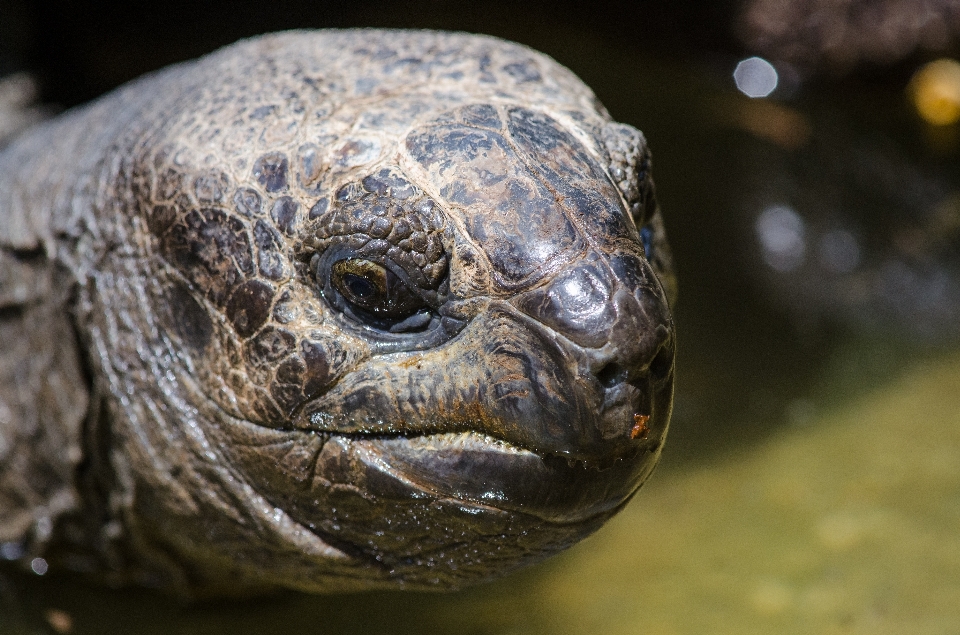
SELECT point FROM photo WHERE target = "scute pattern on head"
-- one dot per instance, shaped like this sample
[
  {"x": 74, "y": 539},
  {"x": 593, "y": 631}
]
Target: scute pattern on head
[
  {"x": 386, "y": 216},
  {"x": 361, "y": 308},
  {"x": 510, "y": 211}
]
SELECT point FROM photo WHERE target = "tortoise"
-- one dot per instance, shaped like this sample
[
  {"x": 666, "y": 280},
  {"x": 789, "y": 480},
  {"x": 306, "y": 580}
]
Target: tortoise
[{"x": 329, "y": 311}]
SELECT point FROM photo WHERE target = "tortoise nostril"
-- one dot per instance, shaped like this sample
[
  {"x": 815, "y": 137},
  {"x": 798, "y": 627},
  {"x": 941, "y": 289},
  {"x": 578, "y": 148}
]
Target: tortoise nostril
[
  {"x": 662, "y": 364},
  {"x": 611, "y": 375}
]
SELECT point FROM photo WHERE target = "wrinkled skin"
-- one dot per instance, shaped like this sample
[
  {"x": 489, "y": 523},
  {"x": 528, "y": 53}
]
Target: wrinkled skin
[{"x": 329, "y": 311}]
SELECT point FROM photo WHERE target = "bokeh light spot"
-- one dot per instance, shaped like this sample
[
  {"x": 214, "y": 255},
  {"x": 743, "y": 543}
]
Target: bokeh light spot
[
  {"x": 782, "y": 235},
  {"x": 39, "y": 566},
  {"x": 11, "y": 550},
  {"x": 935, "y": 90},
  {"x": 755, "y": 77}
]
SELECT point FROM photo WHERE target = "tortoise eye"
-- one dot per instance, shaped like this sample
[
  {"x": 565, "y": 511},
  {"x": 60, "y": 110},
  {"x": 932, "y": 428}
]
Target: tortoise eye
[
  {"x": 362, "y": 289},
  {"x": 374, "y": 289}
]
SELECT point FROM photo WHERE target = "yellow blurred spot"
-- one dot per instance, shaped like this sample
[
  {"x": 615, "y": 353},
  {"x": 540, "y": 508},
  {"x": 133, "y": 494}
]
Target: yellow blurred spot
[
  {"x": 60, "y": 621},
  {"x": 935, "y": 90}
]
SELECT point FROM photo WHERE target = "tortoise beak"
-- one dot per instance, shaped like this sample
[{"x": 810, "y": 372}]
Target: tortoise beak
[{"x": 610, "y": 319}]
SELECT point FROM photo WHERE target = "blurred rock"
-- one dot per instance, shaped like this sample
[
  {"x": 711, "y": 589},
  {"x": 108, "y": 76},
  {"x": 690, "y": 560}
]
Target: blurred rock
[{"x": 839, "y": 34}]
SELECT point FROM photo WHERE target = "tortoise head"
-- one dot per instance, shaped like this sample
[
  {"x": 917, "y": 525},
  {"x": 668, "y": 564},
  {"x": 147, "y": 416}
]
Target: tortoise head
[{"x": 445, "y": 358}]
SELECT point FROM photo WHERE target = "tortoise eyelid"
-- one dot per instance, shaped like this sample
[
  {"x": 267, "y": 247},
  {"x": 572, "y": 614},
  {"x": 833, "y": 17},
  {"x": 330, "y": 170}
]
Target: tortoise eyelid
[{"x": 389, "y": 297}]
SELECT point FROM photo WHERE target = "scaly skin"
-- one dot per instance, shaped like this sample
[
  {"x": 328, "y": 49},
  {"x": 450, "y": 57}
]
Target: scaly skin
[{"x": 329, "y": 311}]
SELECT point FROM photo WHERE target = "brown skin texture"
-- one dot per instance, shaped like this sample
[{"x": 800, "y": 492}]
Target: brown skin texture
[{"x": 329, "y": 311}]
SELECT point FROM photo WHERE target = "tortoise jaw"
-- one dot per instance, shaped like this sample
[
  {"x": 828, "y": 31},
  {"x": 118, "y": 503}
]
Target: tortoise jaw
[
  {"x": 467, "y": 459},
  {"x": 480, "y": 471}
]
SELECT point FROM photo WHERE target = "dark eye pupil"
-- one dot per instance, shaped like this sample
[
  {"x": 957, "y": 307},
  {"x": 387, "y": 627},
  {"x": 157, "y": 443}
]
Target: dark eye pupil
[
  {"x": 373, "y": 289},
  {"x": 360, "y": 287}
]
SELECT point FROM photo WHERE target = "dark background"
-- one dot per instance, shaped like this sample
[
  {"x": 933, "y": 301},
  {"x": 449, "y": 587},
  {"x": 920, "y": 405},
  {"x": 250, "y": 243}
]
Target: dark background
[{"x": 82, "y": 49}]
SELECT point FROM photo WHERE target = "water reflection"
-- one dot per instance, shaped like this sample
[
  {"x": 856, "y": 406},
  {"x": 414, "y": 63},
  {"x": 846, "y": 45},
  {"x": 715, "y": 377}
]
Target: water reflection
[{"x": 855, "y": 228}]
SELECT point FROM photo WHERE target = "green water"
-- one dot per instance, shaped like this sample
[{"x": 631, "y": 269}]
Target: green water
[{"x": 811, "y": 481}]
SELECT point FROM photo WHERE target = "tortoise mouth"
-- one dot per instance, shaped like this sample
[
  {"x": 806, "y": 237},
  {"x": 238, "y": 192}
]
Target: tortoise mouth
[
  {"x": 502, "y": 376},
  {"x": 478, "y": 470},
  {"x": 505, "y": 416}
]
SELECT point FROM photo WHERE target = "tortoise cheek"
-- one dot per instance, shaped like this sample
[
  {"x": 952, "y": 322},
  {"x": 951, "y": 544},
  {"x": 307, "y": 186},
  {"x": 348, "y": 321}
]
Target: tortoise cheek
[
  {"x": 301, "y": 377},
  {"x": 249, "y": 307},
  {"x": 211, "y": 249}
]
